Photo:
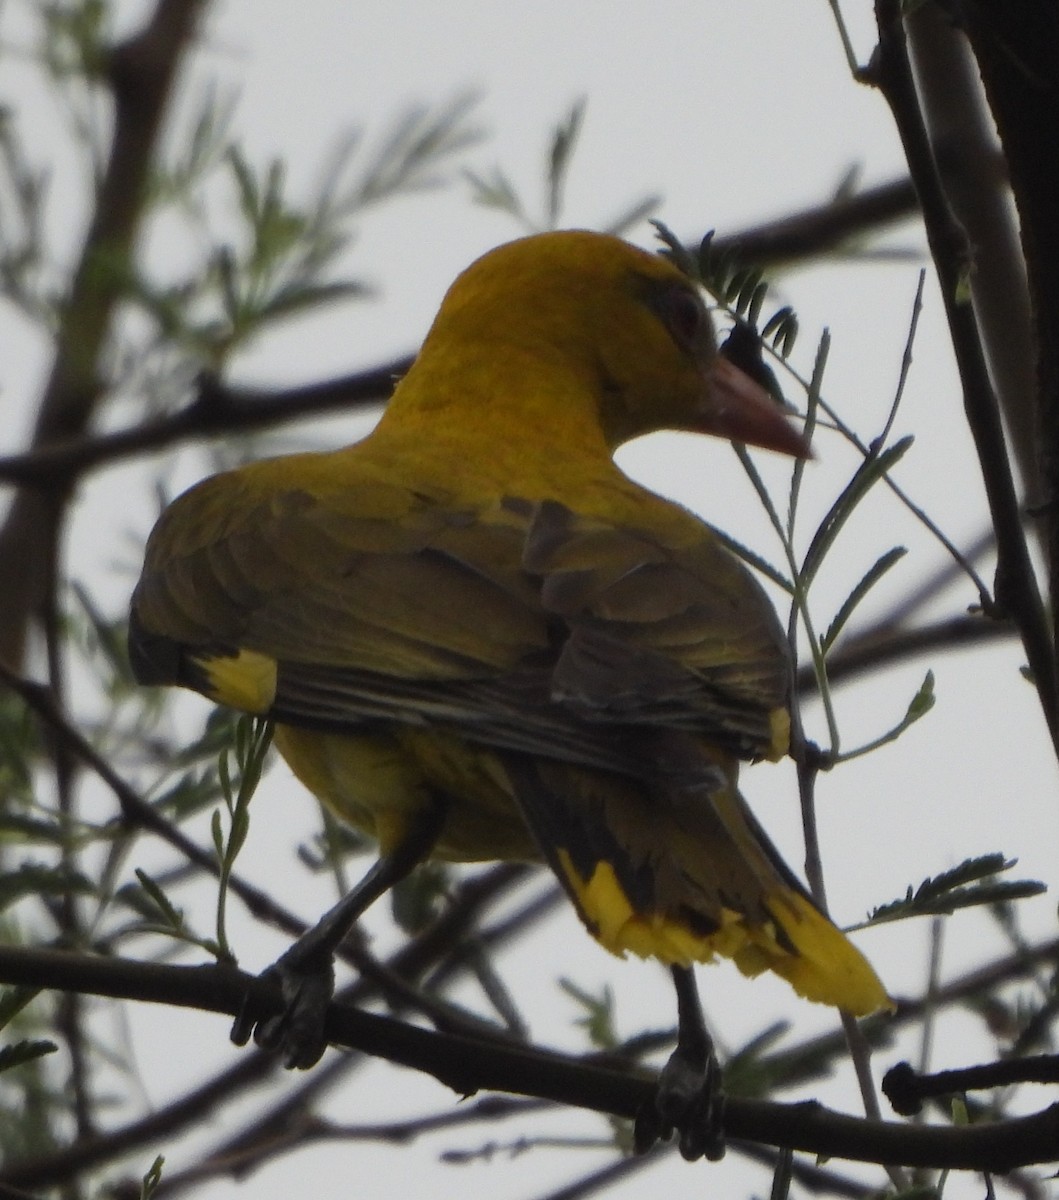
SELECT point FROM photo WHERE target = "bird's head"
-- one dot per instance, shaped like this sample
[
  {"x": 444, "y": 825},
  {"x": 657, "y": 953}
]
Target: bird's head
[{"x": 631, "y": 324}]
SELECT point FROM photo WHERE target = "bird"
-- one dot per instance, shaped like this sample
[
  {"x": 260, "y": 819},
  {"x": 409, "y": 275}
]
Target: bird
[{"x": 479, "y": 639}]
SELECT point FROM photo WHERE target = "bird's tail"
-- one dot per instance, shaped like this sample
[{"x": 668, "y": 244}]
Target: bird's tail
[{"x": 682, "y": 871}]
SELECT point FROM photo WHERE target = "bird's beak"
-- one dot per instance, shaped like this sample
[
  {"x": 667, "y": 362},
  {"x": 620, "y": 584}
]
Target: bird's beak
[{"x": 737, "y": 408}]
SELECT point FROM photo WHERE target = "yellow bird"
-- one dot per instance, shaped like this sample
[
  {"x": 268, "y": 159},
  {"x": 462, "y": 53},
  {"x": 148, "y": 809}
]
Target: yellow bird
[{"x": 479, "y": 639}]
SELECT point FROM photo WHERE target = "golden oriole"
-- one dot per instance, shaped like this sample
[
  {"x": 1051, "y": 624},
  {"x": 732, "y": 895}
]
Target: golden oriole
[{"x": 479, "y": 639}]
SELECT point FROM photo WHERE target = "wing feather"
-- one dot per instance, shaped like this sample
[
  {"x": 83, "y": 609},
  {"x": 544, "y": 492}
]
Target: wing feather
[{"x": 522, "y": 626}]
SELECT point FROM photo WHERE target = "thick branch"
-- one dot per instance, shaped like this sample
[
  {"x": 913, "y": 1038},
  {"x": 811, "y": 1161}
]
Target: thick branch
[
  {"x": 1016, "y": 585},
  {"x": 439, "y": 943},
  {"x": 1016, "y": 43},
  {"x": 467, "y": 1066},
  {"x": 976, "y": 183},
  {"x": 141, "y": 75}
]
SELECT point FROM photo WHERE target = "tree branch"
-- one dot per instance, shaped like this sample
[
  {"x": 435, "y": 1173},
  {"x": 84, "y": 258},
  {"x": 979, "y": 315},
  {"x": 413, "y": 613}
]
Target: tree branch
[
  {"x": 217, "y": 409},
  {"x": 468, "y": 1066},
  {"x": 977, "y": 185},
  {"x": 1016, "y": 584},
  {"x": 141, "y": 72},
  {"x": 221, "y": 409},
  {"x": 1016, "y": 43}
]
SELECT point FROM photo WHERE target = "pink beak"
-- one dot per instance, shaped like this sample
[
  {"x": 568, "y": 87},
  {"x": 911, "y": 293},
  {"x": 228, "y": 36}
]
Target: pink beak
[{"x": 741, "y": 410}]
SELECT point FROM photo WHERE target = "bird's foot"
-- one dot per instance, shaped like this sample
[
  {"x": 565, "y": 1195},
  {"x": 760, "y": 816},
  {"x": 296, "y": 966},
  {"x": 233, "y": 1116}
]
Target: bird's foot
[
  {"x": 306, "y": 979},
  {"x": 690, "y": 1101}
]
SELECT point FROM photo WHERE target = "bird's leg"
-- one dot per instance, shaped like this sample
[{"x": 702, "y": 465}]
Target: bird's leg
[
  {"x": 689, "y": 1098},
  {"x": 306, "y": 972}
]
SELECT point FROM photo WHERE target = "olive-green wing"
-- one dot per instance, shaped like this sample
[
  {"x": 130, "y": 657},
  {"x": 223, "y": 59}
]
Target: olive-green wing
[
  {"x": 677, "y": 636},
  {"x": 523, "y": 625},
  {"x": 351, "y": 578}
]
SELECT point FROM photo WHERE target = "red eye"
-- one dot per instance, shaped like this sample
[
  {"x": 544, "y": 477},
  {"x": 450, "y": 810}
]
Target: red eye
[{"x": 685, "y": 317}]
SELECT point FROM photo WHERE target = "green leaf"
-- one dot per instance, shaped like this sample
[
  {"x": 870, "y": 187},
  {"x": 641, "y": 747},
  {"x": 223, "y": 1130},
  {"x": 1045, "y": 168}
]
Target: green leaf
[
  {"x": 871, "y": 577},
  {"x": 152, "y": 1178},
  {"x": 13, "y": 1000},
  {"x": 32, "y": 879},
  {"x": 559, "y": 158},
  {"x": 23, "y": 1052},
  {"x": 190, "y": 794},
  {"x": 749, "y": 289},
  {"x": 419, "y": 141},
  {"x": 776, "y": 320},
  {"x": 676, "y": 251},
  {"x": 631, "y": 216},
  {"x": 111, "y": 636},
  {"x": 299, "y": 297},
  {"x": 246, "y": 184},
  {"x": 496, "y": 191},
  {"x": 716, "y": 267},
  {"x": 240, "y": 828},
  {"x": 757, "y": 301},
  {"x": 786, "y": 333},
  {"x": 969, "y": 885},
  {"x": 225, "y": 271},
  {"x": 171, "y": 915},
  {"x": 870, "y": 471},
  {"x": 598, "y": 1019},
  {"x": 921, "y": 703},
  {"x": 738, "y": 282},
  {"x": 748, "y": 1069},
  {"x": 217, "y": 833}
]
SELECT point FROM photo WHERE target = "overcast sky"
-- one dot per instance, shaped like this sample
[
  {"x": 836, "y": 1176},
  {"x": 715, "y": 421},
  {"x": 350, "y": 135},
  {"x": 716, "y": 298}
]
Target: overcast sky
[{"x": 732, "y": 113}]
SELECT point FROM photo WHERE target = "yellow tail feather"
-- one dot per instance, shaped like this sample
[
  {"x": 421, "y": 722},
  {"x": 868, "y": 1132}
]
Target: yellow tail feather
[{"x": 815, "y": 957}]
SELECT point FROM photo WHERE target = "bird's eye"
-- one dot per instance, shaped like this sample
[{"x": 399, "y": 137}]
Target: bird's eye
[{"x": 684, "y": 316}]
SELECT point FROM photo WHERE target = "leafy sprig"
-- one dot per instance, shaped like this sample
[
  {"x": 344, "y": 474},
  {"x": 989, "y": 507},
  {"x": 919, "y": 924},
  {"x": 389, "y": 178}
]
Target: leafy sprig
[{"x": 971, "y": 884}]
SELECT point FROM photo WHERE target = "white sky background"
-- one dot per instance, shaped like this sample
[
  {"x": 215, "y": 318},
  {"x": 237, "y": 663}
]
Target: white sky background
[{"x": 733, "y": 113}]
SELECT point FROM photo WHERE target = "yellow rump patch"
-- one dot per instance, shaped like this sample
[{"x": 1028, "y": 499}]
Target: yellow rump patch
[
  {"x": 824, "y": 966},
  {"x": 246, "y": 681},
  {"x": 780, "y": 729}
]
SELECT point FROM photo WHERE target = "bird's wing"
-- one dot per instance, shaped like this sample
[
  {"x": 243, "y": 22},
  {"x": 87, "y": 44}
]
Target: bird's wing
[
  {"x": 674, "y": 636},
  {"x": 524, "y": 626}
]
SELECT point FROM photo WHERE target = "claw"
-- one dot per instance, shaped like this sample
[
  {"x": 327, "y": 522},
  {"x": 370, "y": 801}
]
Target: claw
[
  {"x": 243, "y": 1025},
  {"x": 690, "y": 1098},
  {"x": 306, "y": 973},
  {"x": 297, "y": 1032},
  {"x": 690, "y": 1102}
]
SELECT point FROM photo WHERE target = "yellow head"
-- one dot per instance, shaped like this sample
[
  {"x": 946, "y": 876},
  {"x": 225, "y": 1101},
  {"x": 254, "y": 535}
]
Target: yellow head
[{"x": 628, "y": 325}]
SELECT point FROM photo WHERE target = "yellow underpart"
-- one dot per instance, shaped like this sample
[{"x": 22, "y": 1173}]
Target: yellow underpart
[
  {"x": 825, "y": 967},
  {"x": 387, "y": 784},
  {"x": 780, "y": 726},
  {"x": 246, "y": 681},
  {"x": 364, "y": 780}
]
